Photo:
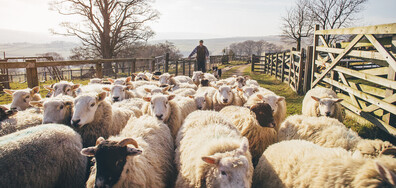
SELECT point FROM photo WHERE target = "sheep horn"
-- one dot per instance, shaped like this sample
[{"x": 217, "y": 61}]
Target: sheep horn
[{"x": 127, "y": 141}]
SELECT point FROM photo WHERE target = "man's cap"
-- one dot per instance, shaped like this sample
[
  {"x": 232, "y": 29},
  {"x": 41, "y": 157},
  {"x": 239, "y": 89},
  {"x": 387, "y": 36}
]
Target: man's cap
[{"x": 201, "y": 41}]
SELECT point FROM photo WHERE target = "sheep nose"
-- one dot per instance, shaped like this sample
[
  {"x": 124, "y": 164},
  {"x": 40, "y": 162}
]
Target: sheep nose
[
  {"x": 225, "y": 100},
  {"x": 75, "y": 122},
  {"x": 327, "y": 114},
  {"x": 116, "y": 98},
  {"x": 159, "y": 116},
  {"x": 13, "y": 109},
  {"x": 199, "y": 108}
]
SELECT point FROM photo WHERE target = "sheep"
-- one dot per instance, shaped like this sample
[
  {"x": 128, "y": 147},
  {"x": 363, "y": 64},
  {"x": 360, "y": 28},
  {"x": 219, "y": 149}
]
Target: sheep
[
  {"x": 120, "y": 92},
  {"x": 156, "y": 89},
  {"x": 171, "y": 79},
  {"x": 5, "y": 113},
  {"x": 93, "y": 117},
  {"x": 140, "y": 156},
  {"x": 91, "y": 88},
  {"x": 256, "y": 124},
  {"x": 322, "y": 102},
  {"x": 134, "y": 104},
  {"x": 42, "y": 156},
  {"x": 137, "y": 84},
  {"x": 204, "y": 98},
  {"x": 212, "y": 154},
  {"x": 184, "y": 92},
  {"x": 299, "y": 163},
  {"x": 23, "y": 119},
  {"x": 240, "y": 81},
  {"x": 277, "y": 103},
  {"x": 63, "y": 87},
  {"x": 184, "y": 85},
  {"x": 329, "y": 132},
  {"x": 121, "y": 81},
  {"x": 198, "y": 75},
  {"x": 21, "y": 98},
  {"x": 251, "y": 82},
  {"x": 58, "y": 109},
  {"x": 95, "y": 81},
  {"x": 169, "y": 110},
  {"x": 204, "y": 83},
  {"x": 246, "y": 91},
  {"x": 141, "y": 76},
  {"x": 224, "y": 96}
]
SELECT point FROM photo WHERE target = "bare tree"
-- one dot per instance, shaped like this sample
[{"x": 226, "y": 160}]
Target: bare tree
[
  {"x": 297, "y": 23},
  {"x": 333, "y": 14},
  {"x": 107, "y": 25},
  {"x": 249, "y": 47},
  {"x": 55, "y": 56},
  {"x": 259, "y": 46}
]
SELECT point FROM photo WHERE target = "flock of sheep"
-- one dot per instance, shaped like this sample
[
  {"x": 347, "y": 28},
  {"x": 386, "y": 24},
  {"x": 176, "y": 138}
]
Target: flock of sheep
[{"x": 177, "y": 131}]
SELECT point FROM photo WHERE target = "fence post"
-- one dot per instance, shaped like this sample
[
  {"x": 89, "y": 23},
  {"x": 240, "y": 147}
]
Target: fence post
[
  {"x": 283, "y": 67},
  {"x": 189, "y": 68},
  {"x": 314, "y": 55},
  {"x": 276, "y": 66},
  {"x": 133, "y": 66},
  {"x": 177, "y": 67},
  {"x": 307, "y": 70},
  {"x": 301, "y": 70},
  {"x": 252, "y": 60},
  {"x": 167, "y": 62},
  {"x": 31, "y": 73},
  {"x": 271, "y": 63},
  {"x": 184, "y": 67},
  {"x": 152, "y": 65},
  {"x": 99, "y": 70},
  {"x": 291, "y": 66}
]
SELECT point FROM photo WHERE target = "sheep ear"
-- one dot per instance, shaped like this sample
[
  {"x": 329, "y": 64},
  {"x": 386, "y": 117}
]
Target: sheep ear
[
  {"x": 106, "y": 89},
  {"x": 239, "y": 89},
  {"x": 8, "y": 91},
  {"x": 147, "y": 99},
  {"x": 101, "y": 96},
  {"x": 315, "y": 98},
  {"x": 128, "y": 79},
  {"x": 89, "y": 151},
  {"x": 338, "y": 100},
  {"x": 156, "y": 77},
  {"x": 256, "y": 89},
  {"x": 191, "y": 96},
  {"x": 75, "y": 86},
  {"x": 35, "y": 90},
  {"x": 110, "y": 80},
  {"x": 131, "y": 151},
  {"x": 387, "y": 175},
  {"x": 99, "y": 140},
  {"x": 281, "y": 99},
  {"x": 389, "y": 151},
  {"x": 172, "y": 75},
  {"x": 244, "y": 146},
  {"x": 260, "y": 96},
  {"x": 147, "y": 90},
  {"x": 206, "y": 94},
  {"x": 170, "y": 97},
  {"x": 134, "y": 74},
  {"x": 166, "y": 89},
  {"x": 210, "y": 160},
  {"x": 128, "y": 87},
  {"x": 37, "y": 103},
  {"x": 49, "y": 88},
  {"x": 215, "y": 87}
]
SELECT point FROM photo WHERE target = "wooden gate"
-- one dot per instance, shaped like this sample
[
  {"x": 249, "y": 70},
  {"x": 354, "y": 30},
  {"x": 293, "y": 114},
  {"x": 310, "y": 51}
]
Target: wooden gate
[{"x": 361, "y": 71}]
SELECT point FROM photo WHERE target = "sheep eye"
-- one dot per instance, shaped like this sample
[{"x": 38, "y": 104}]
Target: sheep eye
[
  {"x": 27, "y": 97},
  {"x": 61, "y": 107},
  {"x": 68, "y": 90},
  {"x": 223, "y": 173},
  {"x": 93, "y": 104}
]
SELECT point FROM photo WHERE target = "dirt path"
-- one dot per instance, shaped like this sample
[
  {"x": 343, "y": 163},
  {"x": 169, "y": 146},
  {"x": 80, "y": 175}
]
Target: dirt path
[{"x": 234, "y": 70}]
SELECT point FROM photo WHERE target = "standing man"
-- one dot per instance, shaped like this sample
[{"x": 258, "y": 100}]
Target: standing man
[{"x": 202, "y": 54}]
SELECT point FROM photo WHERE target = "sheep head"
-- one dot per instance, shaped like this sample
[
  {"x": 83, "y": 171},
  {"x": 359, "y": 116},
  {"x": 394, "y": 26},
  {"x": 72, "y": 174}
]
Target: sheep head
[
  {"x": 263, "y": 114},
  {"x": 159, "y": 106},
  {"x": 85, "y": 107},
  {"x": 5, "y": 113},
  {"x": 118, "y": 92},
  {"x": 56, "y": 110},
  {"x": 326, "y": 106},
  {"x": 21, "y": 98},
  {"x": 200, "y": 100},
  {"x": 271, "y": 99},
  {"x": 225, "y": 95}
]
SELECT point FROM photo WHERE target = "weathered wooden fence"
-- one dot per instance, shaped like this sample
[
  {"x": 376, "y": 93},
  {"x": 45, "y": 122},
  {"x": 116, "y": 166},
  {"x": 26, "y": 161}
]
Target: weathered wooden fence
[{"x": 361, "y": 71}]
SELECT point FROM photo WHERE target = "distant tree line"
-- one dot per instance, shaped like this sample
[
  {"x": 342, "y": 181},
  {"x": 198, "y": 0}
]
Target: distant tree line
[{"x": 250, "y": 47}]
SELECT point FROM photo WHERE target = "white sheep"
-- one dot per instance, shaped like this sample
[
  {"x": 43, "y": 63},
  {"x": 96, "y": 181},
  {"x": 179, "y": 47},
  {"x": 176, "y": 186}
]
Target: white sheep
[
  {"x": 198, "y": 75},
  {"x": 170, "y": 109},
  {"x": 204, "y": 98},
  {"x": 211, "y": 154},
  {"x": 139, "y": 83},
  {"x": 95, "y": 81},
  {"x": 93, "y": 117},
  {"x": 184, "y": 92},
  {"x": 22, "y": 97},
  {"x": 322, "y": 102},
  {"x": 251, "y": 82},
  {"x": 299, "y": 163},
  {"x": 329, "y": 132},
  {"x": 184, "y": 85},
  {"x": 141, "y": 76},
  {"x": 120, "y": 92},
  {"x": 57, "y": 109},
  {"x": 277, "y": 103},
  {"x": 63, "y": 87},
  {"x": 256, "y": 124},
  {"x": 133, "y": 104},
  {"x": 225, "y": 96},
  {"x": 140, "y": 156},
  {"x": 246, "y": 91},
  {"x": 171, "y": 79},
  {"x": 121, "y": 81},
  {"x": 91, "y": 88},
  {"x": 42, "y": 156},
  {"x": 21, "y": 120},
  {"x": 155, "y": 89},
  {"x": 240, "y": 81}
]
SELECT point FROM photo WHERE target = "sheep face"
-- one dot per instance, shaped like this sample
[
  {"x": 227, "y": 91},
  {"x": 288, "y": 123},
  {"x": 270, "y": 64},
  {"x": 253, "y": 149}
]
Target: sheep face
[
  {"x": 247, "y": 91},
  {"x": 56, "y": 110},
  {"x": 229, "y": 169},
  {"x": 120, "y": 81},
  {"x": 241, "y": 81},
  {"x": 85, "y": 107},
  {"x": 225, "y": 95},
  {"x": 110, "y": 157},
  {"x": 272, "y": 100},
  {"x": 196, "y": 77},
  {"x": 118, "y": 92},
  {"x": 5, "y": 113},
  {"x": 159, "y": 105},
  {"x": 326, "y": 106},
  {"x": 164, "y": 79},
  {"x": 157, "y": 90},
  {"x": 65, "y": 88},
  {"x": 141, "y": 76},
  {"x": 263, "y": 114},
  {"x": 200, "y": 101},
  {"x": 21, "y": 98}
]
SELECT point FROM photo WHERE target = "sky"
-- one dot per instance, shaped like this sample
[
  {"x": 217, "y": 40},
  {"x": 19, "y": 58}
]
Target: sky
[{"x": 189, "y": 18}]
